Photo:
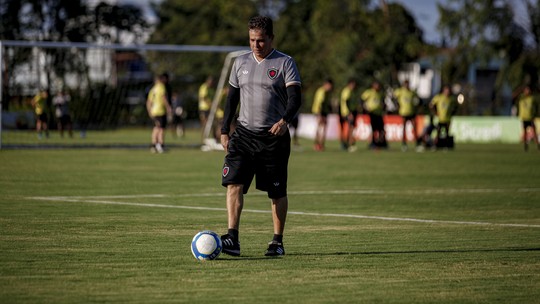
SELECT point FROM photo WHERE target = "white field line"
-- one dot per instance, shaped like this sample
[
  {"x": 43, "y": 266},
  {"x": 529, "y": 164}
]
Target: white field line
[
  {"x": 99, "y": 200},
  {"x": 314, "y": 192}
]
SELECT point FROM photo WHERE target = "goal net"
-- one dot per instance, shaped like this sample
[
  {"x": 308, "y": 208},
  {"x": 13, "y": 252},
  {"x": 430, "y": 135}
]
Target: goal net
[{"x": 103, "y": 90}]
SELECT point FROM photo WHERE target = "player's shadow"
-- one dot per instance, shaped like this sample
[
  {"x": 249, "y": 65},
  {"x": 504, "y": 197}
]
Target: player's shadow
[
  {"x": 415, "y": 251},
  {"x": 367, "y": 253},
  {"x": 247, "y": 258}
]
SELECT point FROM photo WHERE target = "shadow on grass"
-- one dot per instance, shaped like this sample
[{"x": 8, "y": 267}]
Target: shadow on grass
[
  {"x": 247, "y": 258},
  {"x": 416, "y": 251},
  {"x": 339, "y": 253}
]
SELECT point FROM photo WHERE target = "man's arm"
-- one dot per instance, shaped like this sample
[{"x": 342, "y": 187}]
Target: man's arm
[
  {"x": 233, "y": 99},
  {"x": 294, "y": 101}
]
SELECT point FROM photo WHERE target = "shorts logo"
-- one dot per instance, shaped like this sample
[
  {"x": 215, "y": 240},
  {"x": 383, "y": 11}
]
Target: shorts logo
[
  {"x": 276, "y": 184},
  {"x": 225, "y": 171},
  {"x": 272, "y": 73}
]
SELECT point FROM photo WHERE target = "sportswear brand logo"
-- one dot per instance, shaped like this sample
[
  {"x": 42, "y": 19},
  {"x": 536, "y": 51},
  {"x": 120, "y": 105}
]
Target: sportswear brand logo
[
  {"x": 272, "y": 73},
  {"x": 276, "y": 184},
  {"x": 245, "y": 72},
  {"x": 225, "y": 171}
]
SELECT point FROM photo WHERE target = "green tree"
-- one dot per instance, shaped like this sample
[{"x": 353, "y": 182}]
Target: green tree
[
  {"x": 63, "y": 21},
  {"x": 343, "y": 39},
  {"x": 337, "y": 39},
  {"x": 478, "y": 31},
  {"x": 199, "y": 22},
  {"x": 396, "y": 40}
]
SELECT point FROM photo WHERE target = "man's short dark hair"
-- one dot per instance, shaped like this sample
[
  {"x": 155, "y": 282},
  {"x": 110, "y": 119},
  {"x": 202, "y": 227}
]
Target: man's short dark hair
[{"x": 263, "y": 23}]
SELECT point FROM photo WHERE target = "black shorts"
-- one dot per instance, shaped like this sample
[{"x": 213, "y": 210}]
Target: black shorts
[
  {"x": 160, "y": 121},
  {"x": 254, "y": 154},
  {"x": 528, "y": 123},
  {"x": 377, "y": 122},
  {"x": 42, "y": 117},
  {"x": 351, "y": 119},
  {"x": 409, "y": 118},
  {"x": 64, "y": 119}
]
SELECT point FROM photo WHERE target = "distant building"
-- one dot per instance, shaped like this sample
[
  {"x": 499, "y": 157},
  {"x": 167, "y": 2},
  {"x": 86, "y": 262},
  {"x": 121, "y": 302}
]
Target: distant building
[{"x": 478, "y": 87}]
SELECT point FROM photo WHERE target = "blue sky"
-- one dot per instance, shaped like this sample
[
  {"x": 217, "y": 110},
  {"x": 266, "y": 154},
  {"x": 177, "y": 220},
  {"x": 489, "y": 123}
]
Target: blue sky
[{"x": 426, "y": 15}]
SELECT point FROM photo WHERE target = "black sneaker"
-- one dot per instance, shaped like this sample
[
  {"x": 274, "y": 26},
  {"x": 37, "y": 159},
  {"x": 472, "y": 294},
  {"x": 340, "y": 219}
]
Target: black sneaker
[
  {"x": 275, "y": 249},
  {"x": 230, "y": 245}
]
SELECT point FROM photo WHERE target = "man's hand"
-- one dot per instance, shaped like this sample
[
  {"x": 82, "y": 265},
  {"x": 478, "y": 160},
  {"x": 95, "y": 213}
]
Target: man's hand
[
  {"x": 279, "y": 128},
  {"x": 225, "y": 141}
]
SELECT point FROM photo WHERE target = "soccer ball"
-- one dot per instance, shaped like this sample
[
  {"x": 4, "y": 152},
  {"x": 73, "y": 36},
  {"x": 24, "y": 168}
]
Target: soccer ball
[{"x": 206, "y": 245}]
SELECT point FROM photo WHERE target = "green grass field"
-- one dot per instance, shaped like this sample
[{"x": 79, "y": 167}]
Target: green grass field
[{"x": 115, "y": 225}]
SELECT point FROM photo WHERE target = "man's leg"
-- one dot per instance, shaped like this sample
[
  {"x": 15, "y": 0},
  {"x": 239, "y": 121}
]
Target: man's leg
[
  {"x": 279, "y": 216},
  {"x": 404, "y": 133},
  {"x": 235, "y": 203}
]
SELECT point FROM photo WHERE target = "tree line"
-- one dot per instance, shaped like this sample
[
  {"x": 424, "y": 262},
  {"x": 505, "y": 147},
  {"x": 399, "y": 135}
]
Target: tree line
[{"x": 339, "y": 39}]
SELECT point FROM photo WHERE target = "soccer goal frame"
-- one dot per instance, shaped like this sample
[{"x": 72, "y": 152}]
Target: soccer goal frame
[
  {"x": 219, "y": 90},
  {"x": 232, "y": 52}
]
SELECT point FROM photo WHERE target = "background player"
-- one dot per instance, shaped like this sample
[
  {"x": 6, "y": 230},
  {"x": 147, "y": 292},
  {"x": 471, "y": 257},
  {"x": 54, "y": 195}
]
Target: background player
[
  {"x": 39, "y": 103},
  {"x": 442, "y": 105},
  {"x": 527, "y": 109},
  {"x": 407, "y": 110},
  {"x": 322, "y": 106},
  {"x": 348, "y": 112},
  {"x": 374, "y": 106},
  {"x": 158, "y": 108}
]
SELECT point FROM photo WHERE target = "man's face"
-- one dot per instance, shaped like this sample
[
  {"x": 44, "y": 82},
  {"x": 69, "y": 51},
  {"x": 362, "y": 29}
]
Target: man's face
[
  {"x": 260, "y": 43},
  {"x": 446, "y": 91}
]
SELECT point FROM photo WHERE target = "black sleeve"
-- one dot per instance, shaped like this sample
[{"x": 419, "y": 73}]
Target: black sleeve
[
  {"x": 294, "y": 101},
  {"x": 233, "y": 98}
]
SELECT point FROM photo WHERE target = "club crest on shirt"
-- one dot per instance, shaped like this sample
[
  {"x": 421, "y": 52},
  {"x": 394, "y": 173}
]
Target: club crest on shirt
[
  {"x": 225, "y": 171},
  {"x": 272, "y": 73}
]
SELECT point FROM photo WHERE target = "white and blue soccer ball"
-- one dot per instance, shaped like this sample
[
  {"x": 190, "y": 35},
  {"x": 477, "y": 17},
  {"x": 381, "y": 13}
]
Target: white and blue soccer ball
[{"x": 206, "y": 245}]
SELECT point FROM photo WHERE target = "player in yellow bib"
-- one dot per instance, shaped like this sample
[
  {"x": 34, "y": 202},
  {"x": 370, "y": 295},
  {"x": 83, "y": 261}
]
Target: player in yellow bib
[
  {"x": 158, "y": 108},
  {"x": 407, "y": 102},
  {"x": 206, "y": 94},
  {"x": 443, "y": 106},
  {"x": 322, "y": 106},
  {"x": 374, "y": 106},
  {"x": 527, "y": 111},
  {"x": 348, "y": 111},
  {"x": 39, "y": 103}
]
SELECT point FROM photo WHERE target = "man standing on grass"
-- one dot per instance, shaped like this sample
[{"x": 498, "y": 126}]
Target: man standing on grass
[
  {"x": 266, "y": 84},
  {"x": 443, "y": 106},
  {"x": 348, "y": 112},
  {"x": 374, "y": 107},
  {"x": 406, "y": 99},
  {"x": 39, "y": 103},
  {"x": 322, "y": 106},
  {"x": 527, "y": 111},
  {"x": 158, "y": 108}
]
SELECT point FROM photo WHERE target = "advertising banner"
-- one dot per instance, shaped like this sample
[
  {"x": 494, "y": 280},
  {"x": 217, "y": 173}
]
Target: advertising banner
[
  {"x": 486, "y": 129},
  {"x": 470, "y": 129}
]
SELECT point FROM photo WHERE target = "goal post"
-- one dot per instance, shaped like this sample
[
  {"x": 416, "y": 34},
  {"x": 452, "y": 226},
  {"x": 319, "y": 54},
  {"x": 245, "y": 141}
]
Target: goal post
[
  {"x": 219, "y": 90},
  {"x": 27, "y": 66}
]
